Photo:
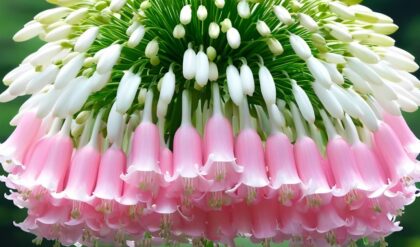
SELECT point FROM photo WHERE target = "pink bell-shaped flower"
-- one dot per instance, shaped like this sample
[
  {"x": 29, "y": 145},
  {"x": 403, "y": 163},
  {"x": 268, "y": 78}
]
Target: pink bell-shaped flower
[
  {"x": 309, "y": 164},
  {"x": 109, "y": 186},
  {"x": 143, "y": 169},
  {"x": 407, "y": 138},
  {"x": 249, "y": 152},
  {"x": 58, "y": 161},
  {"x": 342, "y": 162},
  {"x": 218, "y": 148},
  {"x": 13, "y": 151},
  {"x": 284, "y": 178},
  {"x": 187, "y": 156},
  {"x": 397, "y": 161}
]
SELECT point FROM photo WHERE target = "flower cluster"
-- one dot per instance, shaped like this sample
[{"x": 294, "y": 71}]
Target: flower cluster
[{"x": 155, "y": 121}]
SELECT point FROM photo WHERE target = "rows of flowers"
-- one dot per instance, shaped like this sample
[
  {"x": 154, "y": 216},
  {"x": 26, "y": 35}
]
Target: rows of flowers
[{"x": 164, "y": 122}]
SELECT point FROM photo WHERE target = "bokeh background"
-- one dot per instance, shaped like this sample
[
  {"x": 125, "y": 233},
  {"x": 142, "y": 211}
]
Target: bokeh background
[{"x": 15, "y": 13}]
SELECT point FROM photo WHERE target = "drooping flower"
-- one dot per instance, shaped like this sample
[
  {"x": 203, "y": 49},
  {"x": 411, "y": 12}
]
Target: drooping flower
[{"x": 155, "y": 121}]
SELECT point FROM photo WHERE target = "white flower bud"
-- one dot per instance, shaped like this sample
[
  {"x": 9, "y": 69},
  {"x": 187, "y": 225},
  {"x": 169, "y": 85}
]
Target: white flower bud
[
  {"x": 152, "y": 49},
  {"x": 319, "y": 72},
  {"x": 335, "y": 75},
  {"x": 17, "y": 88},
  {"x": 60, "y": 32},
  {"x": 277, "y": 116},
  {"x": 106, "y": 63},
  {"x": 115, "y": 125},
  {"x": 44, "y": 55},
  {"x": 247, "y": 79},
  {"x": 79, "y": 97},
  {"x": 339, "y": 32},
  {"x": 363, "y": 53},
  {"x": 234, "y": 38},
  {"x": 211, "y": 53},
  {"x": 202, "y": 13},
  {"x": 263, "y": 29},
  {"x": 384, "y": 28},
  {"x": 385, "y": 71},
  {"x": 303, "y": 102},
  {"x": 268, "y": 87},
  {"x": 141, "y": 98},
  {"x": 15, "y": 73},
  {"x": 364, "y": 71},
  {"x": 342, "y": 11},
  {"x": 76, "y": 16},
  {"x": 52, "y": 15},
  {"x": 283, "y": 15},
  {"x": 401, "y": 62},
  {"x": 132, "y": 27},
  {"x": 167, "y": 89},
  {"x": 136, "y": 37},
  {"x": 189, "y": 64},
  {"x": 275, "y": 46},
  {"x": 344, "y": 98},
  {"x": 213, "y": 72},
  {"x": 368, "y": 118},
  {"x": 202, "y": 72},
  {"x": 358, "y": 82},
  {"x": 328, "y": 100},
  {"x": 60, "y": 108},
  {"x": 185, "y": 15},
  {"x": 145, "y": 5},
  {"x": 219, "y": 3},
  {"x": 233, "y": 79},
  {"x": 116, "y": 5},
  {"x": 69, "y": 71},
  {"x": 179, "y": 31},
  {"x": 125, "y": 96},
  {"x": 300, "y": 47},
  {"x": 226, "y": 24},
  {"x": 214, "y": 30},
  {"x": 307, "y": 22},
  {"x": 46, "y": 77},
  {"x": 85, "y": 40},
  {"x": 161, "y": 109},
  {"x": 243, "y": 9},
  {"x": 98, "y": 81},
  {"x": 28, "y": 32},
  {"x": 333, "y": 58},
  {"x": 6, "y": 96},
  {"x": 379, "y": 40}
]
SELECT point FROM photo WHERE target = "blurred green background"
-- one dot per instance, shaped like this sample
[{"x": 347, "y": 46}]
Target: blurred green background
[{"x": 15, "y": 13}]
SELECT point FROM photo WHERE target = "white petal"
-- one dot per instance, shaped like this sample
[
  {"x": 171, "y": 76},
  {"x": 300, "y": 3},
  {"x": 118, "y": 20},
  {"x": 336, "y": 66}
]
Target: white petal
[
  {"x": 234, "y": 38},
  {"x": 234, "y": 84},
  {"x": 213, "y": 72},
  {"x": 115, "y": 125},
  {"x": 85, "y": 40},
  {"x": 106, "y": 63},
  {"x": 28, "y": 32},
  {"x": 185, "y": 15},
  {"x": 46, "y": 77},
  {"x": 268, "y": 87},
  {"x": 189, "y": 64},
  {"x": 319, "y": 72},
  {"x": 243, "y": 9},
  {"x": 168, "y": 87},
  {"x": 300, "y": 47},
  {"x": 247, "y": 79},
  {"x": 69, "y": 71},
  {"x": 303, "y": 102},
  {"x": 328, "y": 100},
  {"x": 125, "y": 97},
  {"x": 202, "y": 73}
]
